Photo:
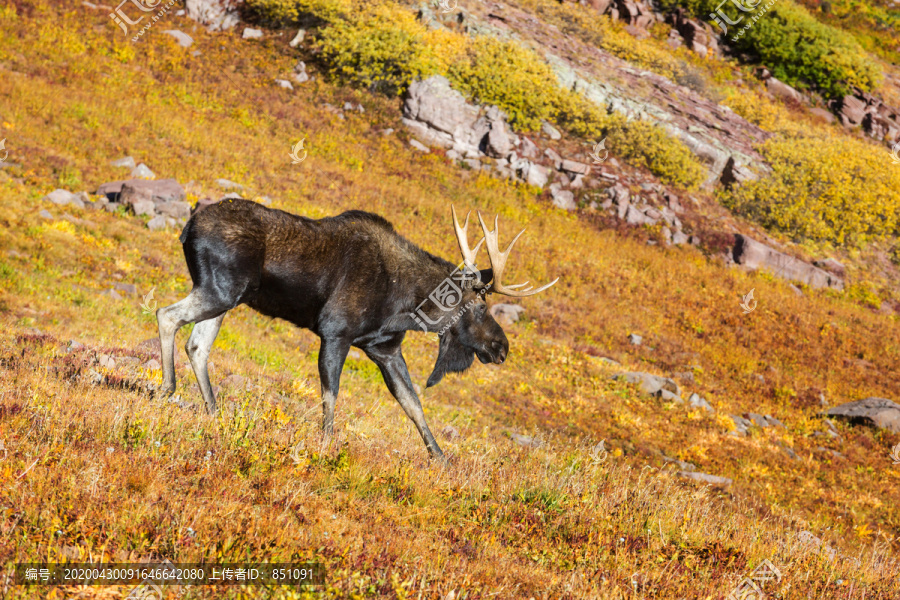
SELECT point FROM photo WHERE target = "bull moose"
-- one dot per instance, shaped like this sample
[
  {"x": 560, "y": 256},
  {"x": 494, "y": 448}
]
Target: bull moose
[{"x": 350, "y": 279}]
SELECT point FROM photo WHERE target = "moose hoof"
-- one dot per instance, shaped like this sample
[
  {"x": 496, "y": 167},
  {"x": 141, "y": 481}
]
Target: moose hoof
[{"x": 163, "y": 392}]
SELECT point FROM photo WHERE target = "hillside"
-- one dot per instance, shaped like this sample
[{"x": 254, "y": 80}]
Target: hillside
[{"x": 685, "y": 496}]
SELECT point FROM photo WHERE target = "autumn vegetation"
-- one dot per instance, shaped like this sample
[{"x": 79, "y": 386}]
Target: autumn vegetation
[{"x": 92, "y": 467}]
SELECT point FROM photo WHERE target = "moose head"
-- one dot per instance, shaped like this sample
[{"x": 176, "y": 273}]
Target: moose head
[{"x": 472, "y": 331}]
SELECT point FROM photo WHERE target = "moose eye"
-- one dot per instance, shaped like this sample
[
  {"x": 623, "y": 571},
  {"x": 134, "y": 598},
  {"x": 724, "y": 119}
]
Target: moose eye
[{"x": 480, "y": 309}]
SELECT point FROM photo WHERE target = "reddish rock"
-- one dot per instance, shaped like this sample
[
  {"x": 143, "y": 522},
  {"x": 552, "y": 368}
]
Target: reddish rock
[
  {"x": 133, "y": 190},
  {"x": 781, "y": 90},
  {"x": 756, "y": 255}
]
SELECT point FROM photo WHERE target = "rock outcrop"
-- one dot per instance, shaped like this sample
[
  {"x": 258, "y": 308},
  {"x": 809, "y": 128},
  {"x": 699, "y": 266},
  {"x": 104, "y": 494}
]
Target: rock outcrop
[
  {"x": 697, "y": 35},
  {"x": 215, "y": 15},
  {"x": 872, "y": 412},
  {"x": 877, "y": 119},
  {"x": 163, "y": 200},
  {"x": 756, "y": 255}
]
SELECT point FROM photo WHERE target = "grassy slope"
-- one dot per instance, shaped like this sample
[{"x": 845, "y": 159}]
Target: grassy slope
[{"x": 505, "y": 520}]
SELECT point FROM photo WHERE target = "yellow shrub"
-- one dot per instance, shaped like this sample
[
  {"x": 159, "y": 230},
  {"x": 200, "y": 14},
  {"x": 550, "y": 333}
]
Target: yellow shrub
[
  {"x": 283, "y": 12},
  {"x": 382, "y": 46},
  {"x": 640, "y": 52},
  {"x": 644, "y": 144},
  {"x": 508, "y": 75},
  {"x": 382, "y": 49},
  {"x": 444, "y": 48},
  {"x": 757, "y": 109},
  {"x": 824, "y": 187}
]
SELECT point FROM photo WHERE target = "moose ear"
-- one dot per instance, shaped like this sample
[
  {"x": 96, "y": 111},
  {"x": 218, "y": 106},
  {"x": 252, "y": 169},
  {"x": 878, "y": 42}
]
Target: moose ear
[{"x": 452, "y": 358}]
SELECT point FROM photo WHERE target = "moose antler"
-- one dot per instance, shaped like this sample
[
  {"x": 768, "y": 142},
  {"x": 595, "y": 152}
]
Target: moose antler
[
  {"x": 498, "y": 262},
  {"x": 463, "y": 239}
]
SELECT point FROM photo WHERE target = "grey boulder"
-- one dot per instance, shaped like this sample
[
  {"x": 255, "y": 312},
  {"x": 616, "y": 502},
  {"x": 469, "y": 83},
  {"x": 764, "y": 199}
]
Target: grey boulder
[
  {"x": 506, "y": 314},
  {"x": 64, "y": 197},
  {"x": 125, "y": 192},
  {"x": 650, "y": 384},
  {"x": 216, "y": 15},
  {"x": 756, "y": 255},
  {"x": 871, "y": 412},
  {"x": 183, "y": 39}
]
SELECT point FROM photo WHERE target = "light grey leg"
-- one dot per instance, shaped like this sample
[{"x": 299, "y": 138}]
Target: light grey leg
[
  {"x": 171, "y": 319},
  {"x": 198, "y": 347}
]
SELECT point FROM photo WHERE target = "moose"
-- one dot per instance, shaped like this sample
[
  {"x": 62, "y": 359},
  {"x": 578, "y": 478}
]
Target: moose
[{"x": 352, "y": 280}]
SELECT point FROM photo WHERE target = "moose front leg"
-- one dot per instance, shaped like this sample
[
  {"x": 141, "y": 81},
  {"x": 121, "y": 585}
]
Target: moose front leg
[
  {"x": 332, "y": 354},
  {"x": 390, "y": 360}
]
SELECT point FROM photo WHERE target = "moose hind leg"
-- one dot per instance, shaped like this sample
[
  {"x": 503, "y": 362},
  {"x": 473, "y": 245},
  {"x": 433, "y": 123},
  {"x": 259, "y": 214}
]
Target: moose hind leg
[
  {"x": 198, "y": 347},
  {"x": 196, "y": 307}
]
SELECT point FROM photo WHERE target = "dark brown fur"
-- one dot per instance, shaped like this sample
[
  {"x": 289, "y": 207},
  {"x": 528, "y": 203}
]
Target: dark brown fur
[{"x": 351, "y": 279}]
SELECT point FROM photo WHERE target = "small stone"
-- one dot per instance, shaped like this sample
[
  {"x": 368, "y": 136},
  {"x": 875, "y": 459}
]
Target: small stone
[
  {"x": 635, "y": 339},
  {"x": 128, "y": 288},
  {"x": 183, "y": 39},
  {"x": 695, "y": 401},
  {"x": 650, "y": 384},
  {"x": 284, "y": 83},
  {"x": 143, "y": 207},
  {"x": 419, "y": 146},
  {"x": 174, "y": 209},
  {"x": 525, "y": 440},
  {"x": 571, "y": 166},
  {"x": 297, "y": 39},
  {"x": 742, "y": 425},
  {"x": 64, "y": 197},
  {"x": 127, "y": 163},
  {"x": 45, "y": 214},
  {"x": 234, "y": 380},
  {"x": 683, "y": 465},
  {"x": 555, "y": 158},
  {"x": 679, "y": 238},
  {"x": 563, "y": 199},
  {"x": 550, "y": 131},
  {"x": 156, "y": 223},
  {"x": 230, "y": 196},
  {"x": 226, "y": 184},
  {"x": 528, "y": 149},
  {"x": 506, "y": 314},
  {"x": 142, "y": 171},
  {"x": 668, "y": 396},
  {"x": 252, "y": 34},
  {"x": 106, "y": 361},
  {"x": 450, "y": 432},
  {"x": 151, "y": 364},
  {"x": 537, "y": 175},
  {"x": 705, "y": 478}
]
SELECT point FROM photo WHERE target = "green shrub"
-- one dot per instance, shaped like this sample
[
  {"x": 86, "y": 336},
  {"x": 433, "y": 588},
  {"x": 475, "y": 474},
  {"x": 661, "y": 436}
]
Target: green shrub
[{"x": 795, "y": 47}]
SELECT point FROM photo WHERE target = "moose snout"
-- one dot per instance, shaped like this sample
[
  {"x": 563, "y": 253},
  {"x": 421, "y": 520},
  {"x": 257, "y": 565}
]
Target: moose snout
[{"x": 500, "y": 350}]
